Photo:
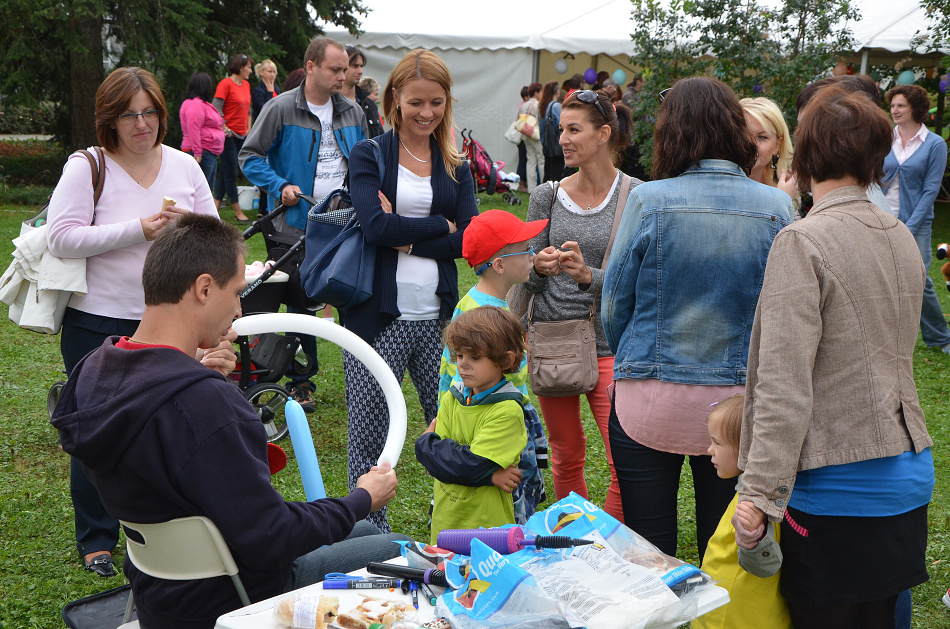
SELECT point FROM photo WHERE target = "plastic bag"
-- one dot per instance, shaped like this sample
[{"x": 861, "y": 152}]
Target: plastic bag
[
  {"x": 306, "y": 611},
  {"x": 576, "y": 517}
]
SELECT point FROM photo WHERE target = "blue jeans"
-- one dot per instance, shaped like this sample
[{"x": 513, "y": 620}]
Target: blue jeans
[
  {"x": 208, "y": 165},
  {"x": 933, "y": 325},
  {"x": 228, "y": 173},
  {"x": 363, "y": 545}
]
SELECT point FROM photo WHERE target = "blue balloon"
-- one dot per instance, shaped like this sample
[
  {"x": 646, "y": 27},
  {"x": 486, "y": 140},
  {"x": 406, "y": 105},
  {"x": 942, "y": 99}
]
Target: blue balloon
[
  {"x": 620, "y": 77},
  {"x": 590, "y": 76},
  {"x": 906, "y": 78},
  {"x": 303, "y": 449}
]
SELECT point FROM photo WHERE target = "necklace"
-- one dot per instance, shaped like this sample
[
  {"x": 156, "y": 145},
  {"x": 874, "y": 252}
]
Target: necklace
[
  {"x": 423, "y": 161},
  {"x": 147, "y": 170},
  {"x": 596, "y": 197}
]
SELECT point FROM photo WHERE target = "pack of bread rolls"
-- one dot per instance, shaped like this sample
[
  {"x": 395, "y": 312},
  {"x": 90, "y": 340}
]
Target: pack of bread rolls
[
  {"x": 373, "y": 610},
  {"x": 306, "y": 611}
]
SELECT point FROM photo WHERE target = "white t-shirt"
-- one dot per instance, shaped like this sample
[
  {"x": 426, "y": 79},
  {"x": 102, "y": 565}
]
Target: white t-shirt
[
  {"x": 331, "y": 164},
  {"x": 417, "y": 278}
]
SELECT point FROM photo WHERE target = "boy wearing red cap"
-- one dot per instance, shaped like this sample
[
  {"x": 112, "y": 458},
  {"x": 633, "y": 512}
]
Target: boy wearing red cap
[{"x": 495, "y": 245}]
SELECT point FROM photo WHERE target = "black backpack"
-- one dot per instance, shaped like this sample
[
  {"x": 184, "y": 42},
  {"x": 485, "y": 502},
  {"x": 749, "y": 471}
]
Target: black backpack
[{"x": 550, "y": 135}]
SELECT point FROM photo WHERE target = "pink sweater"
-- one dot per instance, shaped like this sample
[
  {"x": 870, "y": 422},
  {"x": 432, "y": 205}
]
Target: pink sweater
[
  {"x": 111, "y": 239},
  {"x": 202, "y": 127}
]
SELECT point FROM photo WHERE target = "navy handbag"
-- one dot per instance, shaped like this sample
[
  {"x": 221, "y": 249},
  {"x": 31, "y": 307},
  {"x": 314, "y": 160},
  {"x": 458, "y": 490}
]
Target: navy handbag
[{"x": 339, "y": 264}]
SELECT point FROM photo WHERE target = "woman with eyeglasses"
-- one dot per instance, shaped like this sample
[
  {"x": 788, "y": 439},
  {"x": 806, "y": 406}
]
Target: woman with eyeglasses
[
  {"x": 567, "y": 279},
  {"x": 679, "y": 295},
  {"x": 232, "y": 99},
  {"x": 113, "y": 236}
]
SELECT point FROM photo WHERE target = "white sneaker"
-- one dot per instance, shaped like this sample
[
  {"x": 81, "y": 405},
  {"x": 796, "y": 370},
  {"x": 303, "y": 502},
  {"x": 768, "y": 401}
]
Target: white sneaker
[{"x": 946, "y": 598}]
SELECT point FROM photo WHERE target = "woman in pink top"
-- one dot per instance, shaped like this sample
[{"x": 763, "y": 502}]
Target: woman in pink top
[
  {"x": 232, "y": 99},
  {"x": 113, "y": 236},
  {"x": 201, "y": 125}
]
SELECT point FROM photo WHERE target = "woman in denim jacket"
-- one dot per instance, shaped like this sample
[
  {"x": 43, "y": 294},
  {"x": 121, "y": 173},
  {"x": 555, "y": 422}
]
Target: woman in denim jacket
[{"x": 678, "y": 300}]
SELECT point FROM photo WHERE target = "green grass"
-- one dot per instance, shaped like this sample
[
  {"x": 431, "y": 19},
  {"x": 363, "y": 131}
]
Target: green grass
[{"x": 40, "y": 570}]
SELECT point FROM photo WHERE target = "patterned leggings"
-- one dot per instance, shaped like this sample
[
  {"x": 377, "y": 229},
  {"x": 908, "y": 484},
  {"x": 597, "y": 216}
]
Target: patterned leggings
[{"x": 412, "y": 345}]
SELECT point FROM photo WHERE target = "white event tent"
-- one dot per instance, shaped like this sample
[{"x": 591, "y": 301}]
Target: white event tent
[{"x": 493, "y": 48}]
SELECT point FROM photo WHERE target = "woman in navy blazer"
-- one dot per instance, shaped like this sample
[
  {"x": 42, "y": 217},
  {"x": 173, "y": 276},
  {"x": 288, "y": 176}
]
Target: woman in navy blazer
[
  {"x": 416, "y": 216},
  {"x": 913, "y": 171}
]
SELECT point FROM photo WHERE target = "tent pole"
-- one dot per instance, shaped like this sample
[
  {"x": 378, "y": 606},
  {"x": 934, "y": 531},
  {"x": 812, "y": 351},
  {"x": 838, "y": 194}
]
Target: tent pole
[
  {"x": 864, "y": 61},
  {"x": 536, "y": 70}
]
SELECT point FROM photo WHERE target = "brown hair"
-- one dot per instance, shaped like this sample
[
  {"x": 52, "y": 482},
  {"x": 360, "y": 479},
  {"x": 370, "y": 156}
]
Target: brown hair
[
  {"x": 615, "y": 115},
  {"x": 548, "y": 96},
  {"x": 113, "y": 98},
  {"x": 238, "y": 62},
  {"x": 841, "y": 134},
  {"x": 294, "y": 79},
  {"x": 424, "y": 64},
  {"x": 352, "y": 52},
  {"x": 191, "y": 246},
  {"x": 916, "y": 96},
  {"x": 731, "y": 411},
  {"x": 317, "y": 50},
  {"x": 488, "y": 331},
  {"x": 700, "y": 118},
  {"x": 851, "y": 82},
  {"x": 534, "y": 88}
]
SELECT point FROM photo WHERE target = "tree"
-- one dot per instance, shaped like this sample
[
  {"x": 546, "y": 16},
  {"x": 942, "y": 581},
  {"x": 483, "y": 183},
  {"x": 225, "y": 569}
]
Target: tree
[
  {"x": 756, "y": 50},
  {"x": 56, "y": 50}
]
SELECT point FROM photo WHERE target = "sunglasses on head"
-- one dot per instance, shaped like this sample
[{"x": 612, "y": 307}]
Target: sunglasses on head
[
  {"x": 663, "y": 93},
  {"x": 590, "y": 96}
]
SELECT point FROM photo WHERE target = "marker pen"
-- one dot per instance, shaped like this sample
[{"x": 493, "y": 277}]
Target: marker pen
[
  {"x": 414, "y": 590},
  {"x": 356, "y": 584},
  {"x": 428, "y": 593}
]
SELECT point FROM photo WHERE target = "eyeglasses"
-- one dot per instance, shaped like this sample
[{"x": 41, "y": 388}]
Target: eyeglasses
[
  {"x": 663, "y": 93},
  {"x": 590, "y": 96},
  {"x": 484, "y": 267},
  {"x": 130, "y": 118}
]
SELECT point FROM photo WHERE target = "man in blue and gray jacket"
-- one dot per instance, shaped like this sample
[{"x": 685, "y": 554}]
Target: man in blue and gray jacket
[{"x": 301, "y": 144}]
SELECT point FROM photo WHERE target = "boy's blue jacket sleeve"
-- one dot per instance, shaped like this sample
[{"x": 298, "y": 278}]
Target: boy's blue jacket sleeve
[{"x": 450, "y": 462}]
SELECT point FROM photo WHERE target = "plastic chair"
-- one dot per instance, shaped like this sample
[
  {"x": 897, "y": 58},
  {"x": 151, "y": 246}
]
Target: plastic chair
[{"x": 181, "y": 550}]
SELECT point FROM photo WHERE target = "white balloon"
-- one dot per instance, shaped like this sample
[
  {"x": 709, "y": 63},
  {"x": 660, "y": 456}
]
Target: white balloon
[
  {"x": 315, "y": 326},
  {"x": 560, "y": 66}
]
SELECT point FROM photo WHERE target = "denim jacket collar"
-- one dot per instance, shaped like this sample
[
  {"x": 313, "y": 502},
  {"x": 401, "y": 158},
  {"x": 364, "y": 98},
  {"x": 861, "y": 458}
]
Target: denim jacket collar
[{"x": 718, "y": 166}]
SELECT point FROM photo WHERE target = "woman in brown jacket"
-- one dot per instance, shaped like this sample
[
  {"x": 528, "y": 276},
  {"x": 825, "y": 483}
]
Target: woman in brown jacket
[{"x": 831, "y": 408}]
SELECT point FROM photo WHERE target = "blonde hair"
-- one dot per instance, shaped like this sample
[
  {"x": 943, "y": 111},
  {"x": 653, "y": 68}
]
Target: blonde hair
[
  {"x": 768, "y": 114},
  {"x": 369, "y": 85},
  {"x": 424, "y": 64},
  {"x": 263, "y": 65},
  {"x": 730, "y": 410}
]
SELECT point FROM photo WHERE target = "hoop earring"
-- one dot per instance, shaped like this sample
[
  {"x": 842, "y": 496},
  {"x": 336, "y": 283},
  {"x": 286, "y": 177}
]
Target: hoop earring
[{"x": 774, "y": 162}]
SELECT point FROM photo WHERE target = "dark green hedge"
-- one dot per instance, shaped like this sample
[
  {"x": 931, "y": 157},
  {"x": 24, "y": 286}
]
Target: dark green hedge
[{"x": 39, "y": 170}]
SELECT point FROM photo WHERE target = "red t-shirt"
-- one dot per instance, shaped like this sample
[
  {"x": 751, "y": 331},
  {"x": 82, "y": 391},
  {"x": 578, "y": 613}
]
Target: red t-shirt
[
  {"x": 237, "y": 104},
  {"x": 125, "y": 343}
]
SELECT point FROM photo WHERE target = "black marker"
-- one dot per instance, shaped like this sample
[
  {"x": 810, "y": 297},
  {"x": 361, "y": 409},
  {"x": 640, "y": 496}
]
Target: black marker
[{"x": 428, "y": 593}]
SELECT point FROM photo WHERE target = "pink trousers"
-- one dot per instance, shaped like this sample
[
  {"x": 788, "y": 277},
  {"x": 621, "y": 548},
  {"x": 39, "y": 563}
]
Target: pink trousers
[{"x": 568, "y": 443}]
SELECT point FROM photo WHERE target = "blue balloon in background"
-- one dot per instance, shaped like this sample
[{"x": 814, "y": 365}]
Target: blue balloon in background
[
  {"x": 906, "y": 78},
  {"x": 944, "y": 84},
  {"x": 619, "y": 76},
  {"x": 590, "y": 76}
]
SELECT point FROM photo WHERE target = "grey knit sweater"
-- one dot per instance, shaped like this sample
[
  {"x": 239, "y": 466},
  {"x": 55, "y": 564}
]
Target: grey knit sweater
[{"x": 560, "y": 298}]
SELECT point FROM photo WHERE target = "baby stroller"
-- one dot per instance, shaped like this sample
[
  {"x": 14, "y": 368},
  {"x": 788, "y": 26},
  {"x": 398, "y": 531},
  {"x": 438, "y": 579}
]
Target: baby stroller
[
  {"x": 263, "y": 359},
  {"x": 485, "y": 171}
]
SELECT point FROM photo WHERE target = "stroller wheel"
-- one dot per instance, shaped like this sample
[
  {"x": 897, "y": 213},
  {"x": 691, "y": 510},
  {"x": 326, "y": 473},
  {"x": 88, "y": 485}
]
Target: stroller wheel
[
  {"x": 268, "y": 400},
  {"x": 517, "y": 199},
  {"x": 478, "y": 200},
  {"x": 53, "y": 396}
]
